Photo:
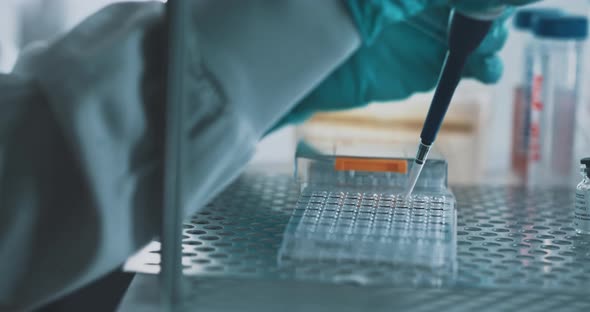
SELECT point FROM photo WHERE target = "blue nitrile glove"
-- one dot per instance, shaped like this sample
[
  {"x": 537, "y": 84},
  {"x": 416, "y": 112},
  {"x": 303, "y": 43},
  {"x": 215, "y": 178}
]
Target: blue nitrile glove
[{"x": 404, "y": 45}]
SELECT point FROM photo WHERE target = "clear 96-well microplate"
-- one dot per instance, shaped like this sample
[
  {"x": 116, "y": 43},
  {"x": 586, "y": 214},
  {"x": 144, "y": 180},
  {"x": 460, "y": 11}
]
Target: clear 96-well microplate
[{"x": 362, "y": 216}]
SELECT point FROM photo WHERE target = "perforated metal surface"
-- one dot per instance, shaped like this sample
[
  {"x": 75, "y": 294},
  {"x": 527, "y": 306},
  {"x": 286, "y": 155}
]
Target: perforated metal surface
[{"x": 506, "y": 239}]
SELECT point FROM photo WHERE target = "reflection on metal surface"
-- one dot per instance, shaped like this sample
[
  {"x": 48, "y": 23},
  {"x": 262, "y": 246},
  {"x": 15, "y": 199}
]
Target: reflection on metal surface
[
  {"x": 506, "y": 239},
  {"x": 259, "y": 295},
  {"x": 413, "y": 239}
]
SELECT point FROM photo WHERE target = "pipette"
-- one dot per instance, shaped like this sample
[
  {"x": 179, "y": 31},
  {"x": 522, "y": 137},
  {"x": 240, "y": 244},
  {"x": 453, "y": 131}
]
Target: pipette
[{"x": 466, "y": 32}]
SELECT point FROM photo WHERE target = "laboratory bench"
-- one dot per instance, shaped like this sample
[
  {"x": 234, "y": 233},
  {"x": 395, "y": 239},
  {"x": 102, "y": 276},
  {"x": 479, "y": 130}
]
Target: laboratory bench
[{"x": 511, "y": 250}]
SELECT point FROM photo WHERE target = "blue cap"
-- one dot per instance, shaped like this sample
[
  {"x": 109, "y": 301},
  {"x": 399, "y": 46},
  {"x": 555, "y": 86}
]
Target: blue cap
[
  {"x": 562, "y": 27},
  {"x": 524, "y": 18}
]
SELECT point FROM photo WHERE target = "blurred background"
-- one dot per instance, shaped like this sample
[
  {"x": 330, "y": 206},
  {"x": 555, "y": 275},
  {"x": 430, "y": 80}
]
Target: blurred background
[
  {"x": 477, "y": 134},
  {"x": 476, "y": 137}
]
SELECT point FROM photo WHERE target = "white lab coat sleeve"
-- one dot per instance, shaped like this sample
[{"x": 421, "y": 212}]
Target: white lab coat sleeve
[{"x": 81, "y": 127}]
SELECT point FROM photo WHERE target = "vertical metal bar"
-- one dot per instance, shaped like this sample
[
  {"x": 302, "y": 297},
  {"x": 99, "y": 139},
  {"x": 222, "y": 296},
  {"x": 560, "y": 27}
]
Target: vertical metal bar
[{"x": 171, "y": 236}]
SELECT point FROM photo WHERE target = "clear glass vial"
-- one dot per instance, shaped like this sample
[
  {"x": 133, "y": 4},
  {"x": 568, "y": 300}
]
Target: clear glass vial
[{"x": 582, "y": 201}]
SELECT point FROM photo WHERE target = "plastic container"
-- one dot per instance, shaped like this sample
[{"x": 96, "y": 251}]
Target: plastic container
[
  {"x": 367, "y": 167},
  {"x": 352, "y": 210},
  {"x": 523, "y": 22},
  {"x": 582, "y": 202},
  {"x": 363, "y": 229},
  {"x": 556, "y": 91}
]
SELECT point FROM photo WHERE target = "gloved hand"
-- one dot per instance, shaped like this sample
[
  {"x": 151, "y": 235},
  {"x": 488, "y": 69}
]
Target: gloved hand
[{"x": 404, "y": 45}]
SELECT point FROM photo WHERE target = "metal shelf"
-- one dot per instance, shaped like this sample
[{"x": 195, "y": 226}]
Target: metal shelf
[{"x": 511, "y": 246}]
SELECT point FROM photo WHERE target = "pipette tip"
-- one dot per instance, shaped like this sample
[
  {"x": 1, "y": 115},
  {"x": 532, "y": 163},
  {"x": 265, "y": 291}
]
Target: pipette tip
[
  {"x": 413, "y": 178},
  {"x": 421, "y": 155}
]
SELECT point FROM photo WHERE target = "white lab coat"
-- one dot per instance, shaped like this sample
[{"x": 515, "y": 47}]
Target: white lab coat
[{"x": 81, "y": 122}]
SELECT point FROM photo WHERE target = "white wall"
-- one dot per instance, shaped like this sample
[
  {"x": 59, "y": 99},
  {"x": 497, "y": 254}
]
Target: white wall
[{"x": 42, "y": 17}]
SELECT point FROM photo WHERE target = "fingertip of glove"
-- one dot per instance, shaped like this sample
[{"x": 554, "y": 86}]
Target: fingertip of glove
[
  {"x": 486, "y": 70},
  {"x": 495, "y": 40}
]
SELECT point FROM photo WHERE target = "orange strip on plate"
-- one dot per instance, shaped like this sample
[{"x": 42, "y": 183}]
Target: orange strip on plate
[{"x": 371, "y": 164}]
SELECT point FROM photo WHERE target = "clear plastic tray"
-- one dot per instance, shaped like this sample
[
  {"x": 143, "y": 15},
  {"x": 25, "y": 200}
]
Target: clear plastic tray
[
  {"x": 373, "y": 227},
  {"x": 361, "y": 216}
]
